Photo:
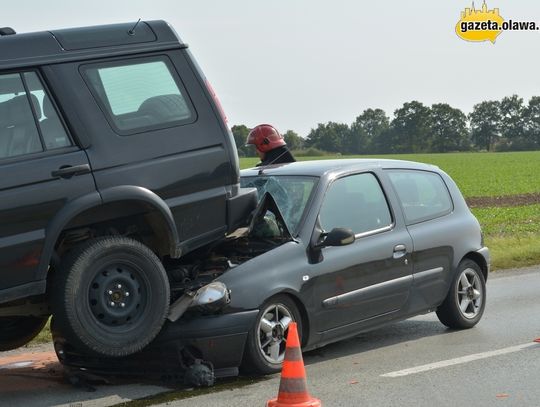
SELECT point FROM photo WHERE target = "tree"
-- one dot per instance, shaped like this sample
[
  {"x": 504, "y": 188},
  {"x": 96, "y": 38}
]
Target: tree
[
  {"x": 531, "y": 119},
  {"x": 240, "y": 133},
  {"x": 410, "y": 127},
  {"x": 485, "y": 124},
  {"x": 328, "y": 137},
  {"x": 448, "y": 129},
  {"x": 293, "y": 140},
  {"x": 367, "y": 130},
  {"x": 512, "y": 113}
]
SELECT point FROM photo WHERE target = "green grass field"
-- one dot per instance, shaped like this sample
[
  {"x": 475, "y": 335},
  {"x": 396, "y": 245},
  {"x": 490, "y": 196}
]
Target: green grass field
[
  {"x": 477, "y": 174},
  {"x": 512, "y": 233}
]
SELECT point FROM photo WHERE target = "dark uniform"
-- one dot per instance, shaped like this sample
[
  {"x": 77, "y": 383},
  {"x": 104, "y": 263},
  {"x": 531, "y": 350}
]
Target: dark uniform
[{"x": 279, "y": 155}]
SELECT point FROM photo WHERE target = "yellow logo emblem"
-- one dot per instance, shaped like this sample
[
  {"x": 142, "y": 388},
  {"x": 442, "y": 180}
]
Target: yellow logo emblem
[{"x": 480, "y": 25}]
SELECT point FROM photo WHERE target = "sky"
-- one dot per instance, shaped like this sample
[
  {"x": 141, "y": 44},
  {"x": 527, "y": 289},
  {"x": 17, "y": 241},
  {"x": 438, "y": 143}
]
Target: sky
[{"x": 297, "y": 63}]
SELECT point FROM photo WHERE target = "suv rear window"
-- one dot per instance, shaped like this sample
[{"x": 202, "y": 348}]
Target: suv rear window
[
  {"x": 139, "y": 94},
  {"x": 423, "y": 194}
]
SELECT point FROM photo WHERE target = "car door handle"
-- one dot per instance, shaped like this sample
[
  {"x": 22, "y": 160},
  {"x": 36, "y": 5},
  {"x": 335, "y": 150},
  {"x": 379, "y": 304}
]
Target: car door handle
[
  {"x": 400, "y": 250},
  {"x": 68, "y": 171}
]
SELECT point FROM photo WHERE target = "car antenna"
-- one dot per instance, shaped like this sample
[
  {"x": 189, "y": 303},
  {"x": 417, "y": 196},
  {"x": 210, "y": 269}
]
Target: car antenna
[{"x": 132, "y": 31}]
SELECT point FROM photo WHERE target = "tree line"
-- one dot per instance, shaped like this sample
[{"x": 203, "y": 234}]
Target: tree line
[{"x": 505, "y": 125}]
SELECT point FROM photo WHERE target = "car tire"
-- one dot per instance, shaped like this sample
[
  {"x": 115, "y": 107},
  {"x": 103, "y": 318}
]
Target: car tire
[
  {"x": 266, "y": 341},
  {"x": 18, "y": 331},
  {"x": 110, "y": 297},
  {"x": 466, "y": 300}
]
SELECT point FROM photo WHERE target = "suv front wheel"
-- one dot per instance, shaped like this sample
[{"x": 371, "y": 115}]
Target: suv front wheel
[{"x": 110, "y": 296}]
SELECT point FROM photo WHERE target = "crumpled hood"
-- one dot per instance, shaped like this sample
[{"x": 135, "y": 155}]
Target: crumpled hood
[{"x": 260, "y": 222}]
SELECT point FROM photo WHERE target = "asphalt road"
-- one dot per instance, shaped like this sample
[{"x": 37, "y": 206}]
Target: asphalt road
[
  {"x": 417, "y": 362},
  {"x": 495, "y": 363}
]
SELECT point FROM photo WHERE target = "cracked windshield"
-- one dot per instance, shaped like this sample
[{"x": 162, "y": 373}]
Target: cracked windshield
[{"x": 291, "y": 194}]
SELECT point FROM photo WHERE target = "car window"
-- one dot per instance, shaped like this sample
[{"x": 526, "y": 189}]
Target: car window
[
  {"x": 52, "y": 129},
  {"x": 356, "y": 202},
  {"x": 18, "y": 129},
  {"x": 139, "y": 94},
  {"x": 423, "y": 194},
  {"x": 291, "y": 193}
]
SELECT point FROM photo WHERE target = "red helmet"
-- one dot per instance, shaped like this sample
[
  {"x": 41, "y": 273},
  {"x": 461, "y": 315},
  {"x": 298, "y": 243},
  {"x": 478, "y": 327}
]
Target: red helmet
[{"x": 265, "y": 138}]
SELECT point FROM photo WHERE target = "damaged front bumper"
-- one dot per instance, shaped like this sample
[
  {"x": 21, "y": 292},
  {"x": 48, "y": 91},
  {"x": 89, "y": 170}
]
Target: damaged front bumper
[
  {"x": 216, "y": 338},
  {"x": 219, "y": 338}
]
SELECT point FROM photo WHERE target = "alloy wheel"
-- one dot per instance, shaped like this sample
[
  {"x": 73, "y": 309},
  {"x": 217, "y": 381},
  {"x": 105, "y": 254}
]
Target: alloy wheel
[{"x": 469, "y": 293}]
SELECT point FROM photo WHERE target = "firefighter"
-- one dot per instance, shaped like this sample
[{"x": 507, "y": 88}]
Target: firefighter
[{"x": 270, "y": 145}]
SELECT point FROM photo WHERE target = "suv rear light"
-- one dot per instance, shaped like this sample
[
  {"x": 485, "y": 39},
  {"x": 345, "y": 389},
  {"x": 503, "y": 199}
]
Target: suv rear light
[{"x": 216, "y": 101}]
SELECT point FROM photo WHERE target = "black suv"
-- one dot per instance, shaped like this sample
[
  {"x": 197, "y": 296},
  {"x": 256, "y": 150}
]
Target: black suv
[{"x": 115, "y": 159}]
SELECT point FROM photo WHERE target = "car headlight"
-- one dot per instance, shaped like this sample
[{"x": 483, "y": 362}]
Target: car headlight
[{"x": 211, "y": 297}]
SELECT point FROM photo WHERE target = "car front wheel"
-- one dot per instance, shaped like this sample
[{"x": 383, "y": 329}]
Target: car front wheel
[
  {"x": 110, "y": 296},
  {"x": 465, "y": 303},
  {"x": 267, "y": 339}
]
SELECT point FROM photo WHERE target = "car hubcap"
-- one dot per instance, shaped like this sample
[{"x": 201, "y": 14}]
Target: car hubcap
[
  {"x": 272, "y": 330},
  {"x": 469, "y": 293},
  {"x": 115, "y": 295}
]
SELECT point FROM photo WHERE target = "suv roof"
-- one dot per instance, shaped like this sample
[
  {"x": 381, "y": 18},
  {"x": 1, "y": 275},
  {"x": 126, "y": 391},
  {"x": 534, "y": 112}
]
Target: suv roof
[
  {"x": 47, "y": 47},
  {"x": 321, "y": 167}
]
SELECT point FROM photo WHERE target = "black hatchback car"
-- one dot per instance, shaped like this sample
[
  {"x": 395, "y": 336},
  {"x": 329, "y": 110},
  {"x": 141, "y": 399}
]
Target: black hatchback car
[{"x": 340, "y": 247}]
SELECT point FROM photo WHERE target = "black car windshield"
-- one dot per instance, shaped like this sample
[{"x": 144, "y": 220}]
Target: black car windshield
[{"x": 291, "y": 193}]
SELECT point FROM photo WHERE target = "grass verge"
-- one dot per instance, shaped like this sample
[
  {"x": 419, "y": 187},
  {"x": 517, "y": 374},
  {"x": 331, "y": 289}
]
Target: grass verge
[{"x": 514, "y": 251}]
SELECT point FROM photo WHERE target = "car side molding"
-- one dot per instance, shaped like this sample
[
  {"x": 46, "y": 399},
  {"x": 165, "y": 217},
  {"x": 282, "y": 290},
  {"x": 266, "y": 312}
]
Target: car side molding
[{"x": 361, "y": 294}]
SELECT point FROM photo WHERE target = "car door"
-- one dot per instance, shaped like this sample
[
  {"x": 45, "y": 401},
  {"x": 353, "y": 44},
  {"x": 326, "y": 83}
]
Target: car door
[
  {"x": 370, "y": 277},
  {"x": 427, "y": 208},
  {"x": 40, "y": 171}
]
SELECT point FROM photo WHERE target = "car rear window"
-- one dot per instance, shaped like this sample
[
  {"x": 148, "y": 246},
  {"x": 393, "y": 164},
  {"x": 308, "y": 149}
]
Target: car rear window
[
  {"x": 139, "y": 94},
  {"x": 423, "y": 194}
]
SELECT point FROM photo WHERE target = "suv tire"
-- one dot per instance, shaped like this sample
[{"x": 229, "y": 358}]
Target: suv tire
[
  {"x": 18, "y": 331},
  {"x": 110, "y": 296}
]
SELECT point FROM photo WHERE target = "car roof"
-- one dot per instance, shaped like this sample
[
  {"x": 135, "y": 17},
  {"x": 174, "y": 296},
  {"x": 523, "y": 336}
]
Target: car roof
[
  {"x": 319, "y": 168},
  {"x": 71, "y": 44}
]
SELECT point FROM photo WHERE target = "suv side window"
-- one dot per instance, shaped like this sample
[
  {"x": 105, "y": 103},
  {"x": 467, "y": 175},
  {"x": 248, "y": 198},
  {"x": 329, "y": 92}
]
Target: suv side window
[
  {"x": 139, "y": 94},
  {"x": 423, "y": 194},
  {"x": 52, "y": 129},
  {"x": 18, "y": 130},
  {"x": 19, "y": 120},
  {"x": 356, "y": 202}
]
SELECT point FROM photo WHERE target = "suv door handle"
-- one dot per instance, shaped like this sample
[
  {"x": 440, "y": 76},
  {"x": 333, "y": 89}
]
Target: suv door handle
[
  {"x": 400, "y": 250},
  {"x": 68, "y": 171}
]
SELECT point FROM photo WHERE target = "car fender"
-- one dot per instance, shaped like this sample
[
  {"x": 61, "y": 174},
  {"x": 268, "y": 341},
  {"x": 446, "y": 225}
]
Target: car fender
[{"x": 267, "y": 275}]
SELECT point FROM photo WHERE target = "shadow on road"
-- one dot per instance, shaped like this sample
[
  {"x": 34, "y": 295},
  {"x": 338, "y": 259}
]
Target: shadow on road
[{"x": 405, "y": 331}]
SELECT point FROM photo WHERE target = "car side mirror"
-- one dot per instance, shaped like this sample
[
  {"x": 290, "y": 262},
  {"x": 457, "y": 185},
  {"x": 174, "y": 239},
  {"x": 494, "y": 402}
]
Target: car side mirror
[{"x": 337, "y": 237}]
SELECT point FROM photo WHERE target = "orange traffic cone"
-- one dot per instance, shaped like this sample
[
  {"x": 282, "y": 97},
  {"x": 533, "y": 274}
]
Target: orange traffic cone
[{"x": 293, "y": 387}]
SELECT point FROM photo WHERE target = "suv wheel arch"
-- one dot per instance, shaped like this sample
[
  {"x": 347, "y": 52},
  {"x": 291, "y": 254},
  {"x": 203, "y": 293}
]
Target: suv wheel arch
[{"x": 95, "y": 202}]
